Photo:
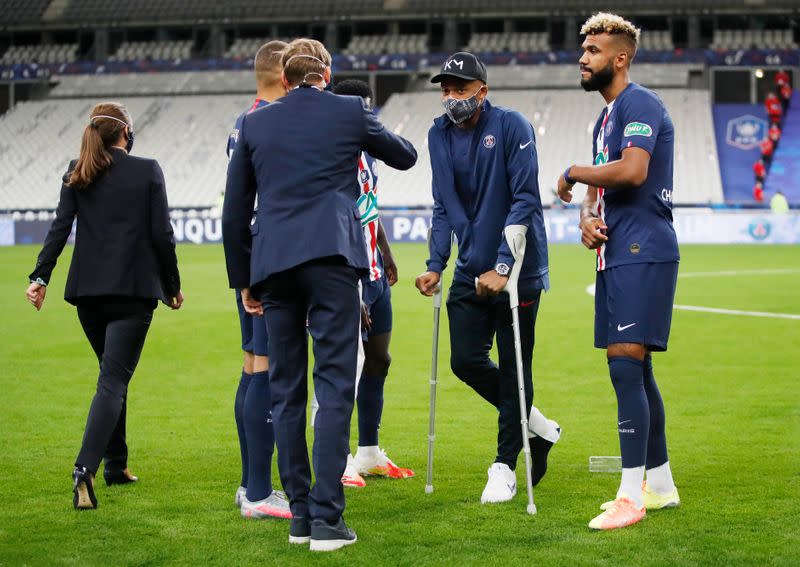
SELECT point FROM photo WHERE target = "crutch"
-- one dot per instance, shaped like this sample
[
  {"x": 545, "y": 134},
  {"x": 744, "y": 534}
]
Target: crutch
[
  {"x": 437, "y": 305},
  {"x": 515, "y": 236}
]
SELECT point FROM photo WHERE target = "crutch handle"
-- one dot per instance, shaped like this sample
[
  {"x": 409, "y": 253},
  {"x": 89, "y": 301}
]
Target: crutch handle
[
  {"x": 515, "y": 236},
  {"x": 437, "y": 294}
]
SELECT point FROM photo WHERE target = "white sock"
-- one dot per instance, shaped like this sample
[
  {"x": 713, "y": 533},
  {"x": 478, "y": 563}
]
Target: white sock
[
  {"x": 545, "y": 428},
  {"x": 368, "y": 451},
  {"x": 659, "y": 479},
  {"x": 631, "y": 485}
]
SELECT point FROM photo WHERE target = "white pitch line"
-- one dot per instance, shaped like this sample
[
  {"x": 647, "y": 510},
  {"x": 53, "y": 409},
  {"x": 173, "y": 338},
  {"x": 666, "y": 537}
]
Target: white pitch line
[
  {"x": 737, "y": 312},
  {"x": 773, "y": 272},
  {"x": 590, "y": 289}
]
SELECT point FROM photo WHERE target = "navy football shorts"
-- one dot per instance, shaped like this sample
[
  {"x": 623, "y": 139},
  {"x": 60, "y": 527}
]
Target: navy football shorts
[
  {"x": 633, "y": 304},
  {"x": 378, "y": 297},
  {"x": 254, "y": 330}
]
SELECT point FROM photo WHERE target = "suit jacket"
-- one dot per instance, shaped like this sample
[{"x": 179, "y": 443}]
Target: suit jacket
[
  {"x": 300, "y": 156},
  {"x": 124, "y": 244}
]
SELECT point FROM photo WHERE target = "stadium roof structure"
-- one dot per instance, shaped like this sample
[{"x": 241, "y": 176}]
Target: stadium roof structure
[{"x": 86, "y": 13}]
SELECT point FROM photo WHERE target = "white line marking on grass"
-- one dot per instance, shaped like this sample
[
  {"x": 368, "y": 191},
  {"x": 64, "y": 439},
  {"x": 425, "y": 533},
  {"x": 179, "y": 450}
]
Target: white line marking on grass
[
  {"x": 590, "y": 289},
  {"x": 773, "y": 272},
  {"x": 737, "y": 312}
]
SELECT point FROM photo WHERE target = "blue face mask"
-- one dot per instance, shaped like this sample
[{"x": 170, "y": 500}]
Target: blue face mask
[
  {"x": 129, "y": 145},
  {"x": 461, "y": 110}
]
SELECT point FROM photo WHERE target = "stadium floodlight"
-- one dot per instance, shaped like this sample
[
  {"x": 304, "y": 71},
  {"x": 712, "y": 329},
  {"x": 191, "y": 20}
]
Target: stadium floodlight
[{"x": 515, "y": 236}]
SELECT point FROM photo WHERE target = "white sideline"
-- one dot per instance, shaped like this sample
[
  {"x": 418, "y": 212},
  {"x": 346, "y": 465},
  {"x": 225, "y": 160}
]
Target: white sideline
[
  {"x": 591, "y": 288},
  {"x": 772, "y": 272}
]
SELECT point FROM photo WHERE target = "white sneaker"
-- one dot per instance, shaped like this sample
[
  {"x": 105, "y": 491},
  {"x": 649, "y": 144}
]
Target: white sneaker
[
  {"x": 501, "y": 486},
  {"x": 373, "y": 461},
  {"x": 273, "y": 506},
  {"x": 351, "y": 478},
  {"x": 240, "y": 492}
]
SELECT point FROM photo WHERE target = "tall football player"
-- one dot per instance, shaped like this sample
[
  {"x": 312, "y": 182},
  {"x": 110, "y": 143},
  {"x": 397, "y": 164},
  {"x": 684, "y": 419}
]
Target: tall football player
[{"x": 627, "y": 219}]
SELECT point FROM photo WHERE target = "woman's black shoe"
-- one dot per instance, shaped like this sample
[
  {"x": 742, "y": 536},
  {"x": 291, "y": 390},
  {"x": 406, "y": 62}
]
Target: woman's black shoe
[
  {"x": 119, "y": 476},
  {"x": 83, "y": 489}
]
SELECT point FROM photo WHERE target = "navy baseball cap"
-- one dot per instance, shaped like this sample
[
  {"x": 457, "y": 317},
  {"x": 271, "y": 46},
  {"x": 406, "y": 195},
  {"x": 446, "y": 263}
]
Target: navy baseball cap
[{"x": 462, "y": 65}]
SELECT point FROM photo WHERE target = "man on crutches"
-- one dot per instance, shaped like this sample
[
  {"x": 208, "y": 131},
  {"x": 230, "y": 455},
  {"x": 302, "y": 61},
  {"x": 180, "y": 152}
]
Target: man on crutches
[{"x": 484, "y": 165}]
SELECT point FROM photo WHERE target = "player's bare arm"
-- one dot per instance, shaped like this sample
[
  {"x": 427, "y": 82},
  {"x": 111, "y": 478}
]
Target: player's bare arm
[
  {"x": 592, "y": 227},
  {"x": 389, "y": 265},
  {"x": 629, "y": 172}
]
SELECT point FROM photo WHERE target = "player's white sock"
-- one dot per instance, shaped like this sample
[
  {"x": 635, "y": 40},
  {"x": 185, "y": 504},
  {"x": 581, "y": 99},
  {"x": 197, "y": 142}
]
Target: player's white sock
[
  {"x": 368, "y": 451},
  {"x": 631, "y": 485},
  {"x": 659, "y": 479},
  {"x": 543, "y": 427}
]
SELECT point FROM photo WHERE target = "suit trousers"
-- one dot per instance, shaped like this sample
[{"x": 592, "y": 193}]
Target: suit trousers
[
  {"x": 474, "y": 323},
  {"x": 116, "y": 328},
  {"x": 323, "y": 295}
]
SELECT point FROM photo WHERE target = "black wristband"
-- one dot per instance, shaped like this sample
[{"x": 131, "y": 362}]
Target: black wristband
[{"x": 567, "y": 178}]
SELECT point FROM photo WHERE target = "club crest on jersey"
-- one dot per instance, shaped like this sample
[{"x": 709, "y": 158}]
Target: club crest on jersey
[
  {"x": 489, "y": 142},
  {"x": 638, "y": 129},
  {"x": 609, "y": 128},
  {"x": 235, "y": 135},
  {"x": 363, "y": 175}
]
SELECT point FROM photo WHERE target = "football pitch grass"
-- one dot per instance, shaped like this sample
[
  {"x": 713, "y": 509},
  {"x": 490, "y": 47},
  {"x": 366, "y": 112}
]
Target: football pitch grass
[{"x": 730, "y": 383}]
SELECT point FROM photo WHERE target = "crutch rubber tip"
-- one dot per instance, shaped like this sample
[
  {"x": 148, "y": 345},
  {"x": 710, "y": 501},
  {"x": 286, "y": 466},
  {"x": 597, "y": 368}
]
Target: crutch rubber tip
[
  {"x": 429, "y": 490},
  {"x": 531, "y": 509}
]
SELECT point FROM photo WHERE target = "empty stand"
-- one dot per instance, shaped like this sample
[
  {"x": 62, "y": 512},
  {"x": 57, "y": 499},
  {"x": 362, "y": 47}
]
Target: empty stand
[
  {"x": 747, "y": 39},
  {"x": 659, "y": 40},
  {"x": 246, "y": 48},
  {"x": 509, "y": 42},
  {"x": 187, "y": 134},
  {"x": 46, "y": 53},
  {"x": 22, "y": 11},
  {"x": 381, "y": 44},
  {"x": 156, "y": 50}
]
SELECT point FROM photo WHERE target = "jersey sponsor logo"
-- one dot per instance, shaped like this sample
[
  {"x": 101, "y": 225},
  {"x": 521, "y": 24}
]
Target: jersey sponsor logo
[
  {"x": 746, "y": 132},
  {"x": 368, "y": 208},
  {"x": 621, "y": 328},
  {"x": 638, "y": 129},
  {"x": 666, "y": 195},
  {"x": 602, "y": 157},
  {"x": 489, "y": 142},
  {"x": 523, "y": 146}
]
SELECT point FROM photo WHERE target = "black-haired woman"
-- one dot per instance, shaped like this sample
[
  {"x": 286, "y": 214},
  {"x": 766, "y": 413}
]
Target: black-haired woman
[{"x": 123, "y": 263}]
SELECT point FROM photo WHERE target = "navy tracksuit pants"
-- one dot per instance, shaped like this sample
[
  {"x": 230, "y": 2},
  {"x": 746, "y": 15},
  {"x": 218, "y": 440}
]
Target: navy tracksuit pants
[{"x": 474, "y": 323}]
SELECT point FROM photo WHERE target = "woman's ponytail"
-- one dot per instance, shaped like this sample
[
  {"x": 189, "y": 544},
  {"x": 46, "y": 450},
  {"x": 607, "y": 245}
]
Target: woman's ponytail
[{"x": 106, "y": 123}]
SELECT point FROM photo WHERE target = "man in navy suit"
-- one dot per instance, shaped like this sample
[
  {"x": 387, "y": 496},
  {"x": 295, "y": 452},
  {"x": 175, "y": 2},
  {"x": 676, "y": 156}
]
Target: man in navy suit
[{"x": 302, "y": 260}]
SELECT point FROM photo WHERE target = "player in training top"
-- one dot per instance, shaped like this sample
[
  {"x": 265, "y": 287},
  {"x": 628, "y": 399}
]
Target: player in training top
[{"x": 627, "y": 218}]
